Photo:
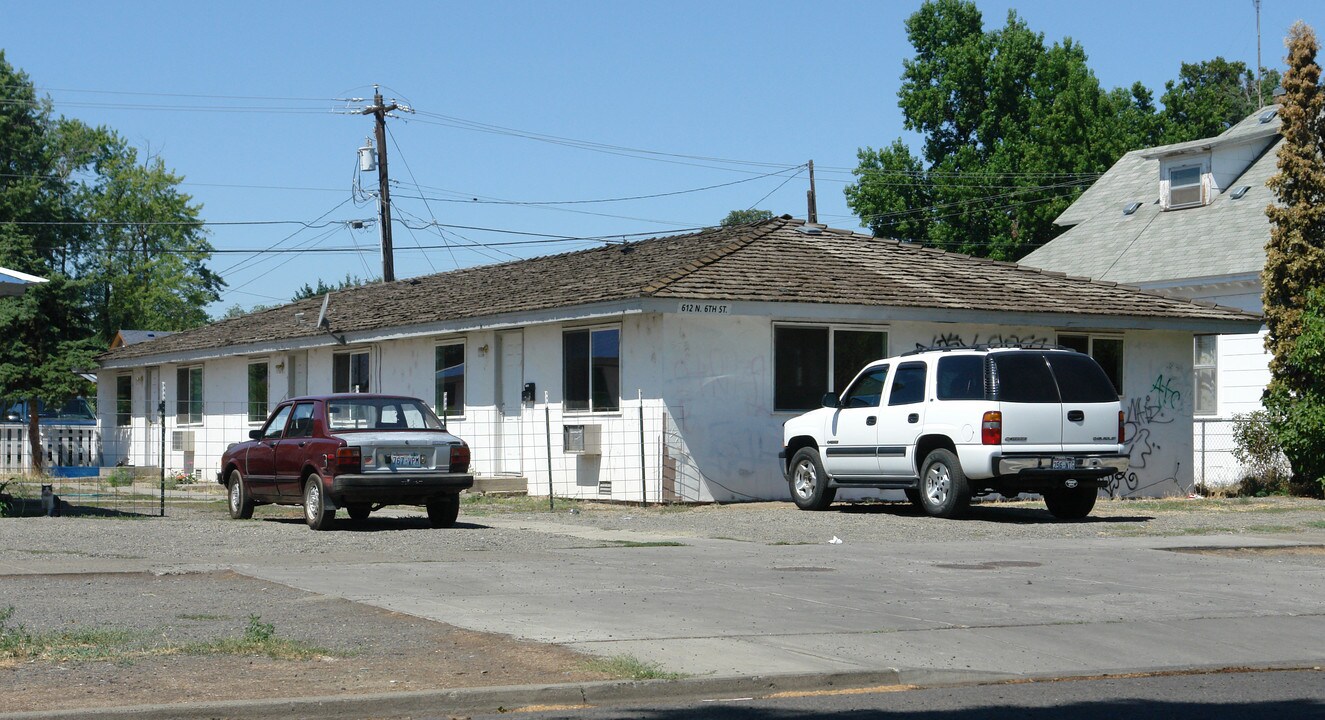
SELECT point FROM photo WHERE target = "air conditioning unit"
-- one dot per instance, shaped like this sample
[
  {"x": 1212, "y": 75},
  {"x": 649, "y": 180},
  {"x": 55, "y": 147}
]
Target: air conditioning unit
[
  {"x": 582, "y": 439},
  {"x": 181, "y": 441}
]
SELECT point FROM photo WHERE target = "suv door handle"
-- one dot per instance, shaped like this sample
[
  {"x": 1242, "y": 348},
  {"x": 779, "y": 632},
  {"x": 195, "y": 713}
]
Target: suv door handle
[
  {"x": 913, "y": 418},
  {"x": 1075, "y": 415},
  {"x": 871, "y": 420}
]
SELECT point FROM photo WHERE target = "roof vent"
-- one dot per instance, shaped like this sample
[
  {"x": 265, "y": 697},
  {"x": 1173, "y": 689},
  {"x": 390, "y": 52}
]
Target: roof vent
[
  {"x": 1267, "y": 116},
  {"x": 1240, "y": 191},
  {"x": 810, "y": 230},
  {"x": 1131, "y": 208}
]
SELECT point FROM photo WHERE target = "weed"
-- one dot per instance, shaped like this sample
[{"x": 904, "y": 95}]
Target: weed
[
  {"x": 119, "y": 477},
  {"x": 1316, "y": 524},
  {"x": 630, "y": 667},
  {"x": 200, "y": 616},
  {"x": 1271, "y": 529},
  {"x": 642, "y": 544}
]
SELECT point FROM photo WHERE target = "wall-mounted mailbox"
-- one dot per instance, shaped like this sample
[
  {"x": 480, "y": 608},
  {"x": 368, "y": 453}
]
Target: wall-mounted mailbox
[
  {"x": 582, "y": 439},
  {"x": 527, "y": 394}
]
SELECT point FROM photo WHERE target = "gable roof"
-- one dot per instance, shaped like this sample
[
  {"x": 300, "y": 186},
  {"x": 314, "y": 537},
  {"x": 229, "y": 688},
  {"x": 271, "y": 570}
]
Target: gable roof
[
  {"x": 133, "y": 337},
  {"x": 778, "y": 260},
  {"x": 1225, "y": 237}
]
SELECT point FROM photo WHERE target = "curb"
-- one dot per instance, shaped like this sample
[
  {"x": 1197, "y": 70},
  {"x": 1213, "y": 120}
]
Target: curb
[{"x": 508, "y": 698}]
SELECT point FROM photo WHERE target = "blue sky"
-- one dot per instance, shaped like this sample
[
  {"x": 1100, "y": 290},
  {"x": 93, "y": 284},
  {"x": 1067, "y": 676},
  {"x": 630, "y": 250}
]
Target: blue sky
[{"x": 245, "y": 100}]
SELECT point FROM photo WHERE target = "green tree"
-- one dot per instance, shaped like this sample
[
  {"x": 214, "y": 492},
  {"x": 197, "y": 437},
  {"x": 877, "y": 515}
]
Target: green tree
[
  {"x": 308, "y": 291},
  {"x": 1210, "y": 97},
  {"x": 1294, "y": 274},
  {"x": 746, "y": 217}
]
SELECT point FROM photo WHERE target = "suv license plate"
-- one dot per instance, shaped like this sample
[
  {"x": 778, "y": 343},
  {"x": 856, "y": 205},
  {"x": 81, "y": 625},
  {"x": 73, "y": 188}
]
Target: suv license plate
[
  {"x": 1063, "y": 463},
  {"x": 408, "y": 460}
]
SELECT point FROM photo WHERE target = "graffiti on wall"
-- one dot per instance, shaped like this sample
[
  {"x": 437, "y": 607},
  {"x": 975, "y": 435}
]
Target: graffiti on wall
[
  {"x": 956, "y": 340},
  {"x": 1152, "y": 467}
]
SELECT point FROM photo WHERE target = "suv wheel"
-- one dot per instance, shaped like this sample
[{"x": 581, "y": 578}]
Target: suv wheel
[
  {"x": 944, "y": 491},
  {"x": 316, "y": 510},
  {"x": 809, "y": 482},
  {"x": 1071, "y": 504},
  {"x": 241, "y": 505}
]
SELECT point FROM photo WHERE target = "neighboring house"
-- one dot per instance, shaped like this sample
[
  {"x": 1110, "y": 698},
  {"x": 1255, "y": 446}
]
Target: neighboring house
[
  {"x": 133, "y": 337},
  {"x": 661, "y": 369},
  {"x": 1188, "y": 220}
]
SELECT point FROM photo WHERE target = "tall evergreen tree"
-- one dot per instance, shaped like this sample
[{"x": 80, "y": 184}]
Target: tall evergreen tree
[{"x": 1295, "y": 263}]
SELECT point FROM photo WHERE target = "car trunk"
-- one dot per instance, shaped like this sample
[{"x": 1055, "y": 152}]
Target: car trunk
[
  {"x": 1054, "y": 402},
  {"x": 402, "y": 451}
]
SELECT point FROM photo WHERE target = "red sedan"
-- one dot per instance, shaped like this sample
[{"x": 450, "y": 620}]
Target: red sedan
[{"x": 359, "y": 452}]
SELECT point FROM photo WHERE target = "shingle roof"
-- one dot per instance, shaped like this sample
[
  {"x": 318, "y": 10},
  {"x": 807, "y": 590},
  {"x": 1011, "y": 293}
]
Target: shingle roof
[
  {"x": 1225, "y": 237},
  {"x": 773, "y": 261}
]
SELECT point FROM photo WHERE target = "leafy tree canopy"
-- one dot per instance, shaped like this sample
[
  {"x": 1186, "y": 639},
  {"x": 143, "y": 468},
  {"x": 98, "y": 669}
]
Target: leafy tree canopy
[
  {"x": 1014, "y": 129},
  {"x": 746, "y": 217},
  {"x": 308, "y": 291}
]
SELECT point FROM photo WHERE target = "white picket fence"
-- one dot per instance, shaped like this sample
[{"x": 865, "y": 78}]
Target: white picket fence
[{"x": 62, "y": 445}]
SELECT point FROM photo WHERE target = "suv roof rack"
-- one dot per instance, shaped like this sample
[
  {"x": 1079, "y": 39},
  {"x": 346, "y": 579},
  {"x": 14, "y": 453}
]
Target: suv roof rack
[{"x": 989, "y": 346}]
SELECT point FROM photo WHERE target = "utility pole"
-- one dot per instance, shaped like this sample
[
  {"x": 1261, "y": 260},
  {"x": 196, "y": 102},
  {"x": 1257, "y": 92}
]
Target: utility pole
[
  {"x": 813, "y": 207},
  {"x": 379, "y": 110},
  {"x": 1260, "y": 100}
]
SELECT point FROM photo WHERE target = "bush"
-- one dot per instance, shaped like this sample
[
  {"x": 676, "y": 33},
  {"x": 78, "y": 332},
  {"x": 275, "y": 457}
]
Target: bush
[
  {"x": 120, "y": 477},
  {"x": 1257, "y": 448}
]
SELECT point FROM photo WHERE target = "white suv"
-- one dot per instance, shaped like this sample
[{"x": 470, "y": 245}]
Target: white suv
[{"x": 947, "y": 424}]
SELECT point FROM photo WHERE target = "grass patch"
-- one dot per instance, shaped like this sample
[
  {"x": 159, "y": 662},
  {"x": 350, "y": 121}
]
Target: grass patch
[
  {"x": 632, "y": 668},
  {"x": 259, "y": 638},
  {"x": 790, "y": 542},
  {"x": 640, "y": 544},
  {"x": 201, "y": 616},
  {"x": 474, "y": 504},
  {"x": 1316, "y": 524},
  {"x": 1271, "y": 529}
]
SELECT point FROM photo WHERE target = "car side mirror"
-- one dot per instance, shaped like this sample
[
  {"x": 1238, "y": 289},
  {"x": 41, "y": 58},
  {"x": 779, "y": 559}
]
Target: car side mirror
[
  {"x": 254, "y": 434},
  {"x": 830, "y": 400}
]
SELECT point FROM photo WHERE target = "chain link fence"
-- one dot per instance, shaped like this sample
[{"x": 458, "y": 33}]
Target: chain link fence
[{"x": 1216, "y": 463}]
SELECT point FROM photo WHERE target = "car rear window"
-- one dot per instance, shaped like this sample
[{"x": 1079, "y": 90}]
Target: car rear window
[
  {"x": 380, "y": 414},
  {"x": 1024, "y": 377},
  {"x": 1081, "y": 379},
  {"x": 961, "y": 377}
]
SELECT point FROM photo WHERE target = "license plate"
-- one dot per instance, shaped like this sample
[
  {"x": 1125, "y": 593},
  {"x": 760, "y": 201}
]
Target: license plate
[
  {"x": 1062, "y": 463},
  {"x": 405, "y": 460}
]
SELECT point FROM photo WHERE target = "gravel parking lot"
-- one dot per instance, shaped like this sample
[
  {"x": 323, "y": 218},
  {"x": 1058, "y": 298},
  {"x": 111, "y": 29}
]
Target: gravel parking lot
[{"x": 180, "y": 578}]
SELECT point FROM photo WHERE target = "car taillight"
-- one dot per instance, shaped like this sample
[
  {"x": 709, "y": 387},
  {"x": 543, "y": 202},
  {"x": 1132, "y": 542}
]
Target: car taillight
[
  {"x": 460, "y": 458},
  {"x": 1122, "y": 429},
  {"x": 991, "y": 428},
  {"x": 348, "y": 460}
]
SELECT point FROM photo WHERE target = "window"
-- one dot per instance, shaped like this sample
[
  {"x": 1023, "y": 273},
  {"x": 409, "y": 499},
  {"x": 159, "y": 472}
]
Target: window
[
  {"x": 123, "y": 400},
  {"x": 257, "y": 391},
  {"x": 188, "y": 395},
  {"x": 908, "y": 384},
  {"x": 1024, "y": 378},
  {"x": 349, "y": 372},
  {"x": 273, "y": 429},
  {"x": 1107, "y": 351},
  {"x": 961, "y": 377},
  {"x": 450, "y": 382},
  {"x": 1080, "y": 380},
  {"x": 1205, "y": 367},
  {"x": 1185, "y": 187},
  {"x": 809, "y": 361},
  {"x": 867, "y": 390},
  {"x": 591, "y": 360},
  {"x": 301, "y": 422}
]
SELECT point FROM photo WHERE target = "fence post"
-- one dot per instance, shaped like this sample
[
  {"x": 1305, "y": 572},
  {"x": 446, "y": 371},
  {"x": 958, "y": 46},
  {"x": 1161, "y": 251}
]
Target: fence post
[
  {"x": 161, "y": 412},
  {"x": 547, "y": 425},
  {"x": 643, "y": 484},
  {"x": 1203, "y": 426}
]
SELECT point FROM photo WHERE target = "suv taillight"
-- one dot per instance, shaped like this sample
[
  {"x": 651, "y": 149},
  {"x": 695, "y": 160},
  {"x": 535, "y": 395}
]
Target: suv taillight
[
  {"x": 991, "y": 428},
  {"x": 1122, "y": 429},
  {"x": 460, "y": 458},
  {"x": 348, "y": 460}
]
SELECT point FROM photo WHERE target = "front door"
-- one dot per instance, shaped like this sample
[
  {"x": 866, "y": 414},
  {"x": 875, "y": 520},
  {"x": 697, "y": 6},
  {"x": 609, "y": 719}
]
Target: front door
[
  {"x": 261, "y": 458},
  {"x": 853, "y": 431},
  {"x": 292, "y": 450},
  {"x": 510, "y": 409},
  {"x": 900, "y": 420}
]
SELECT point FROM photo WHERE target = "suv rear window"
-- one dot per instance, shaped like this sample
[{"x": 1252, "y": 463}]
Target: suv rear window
[
  {"x": 1081, "y": 379},
  {"x": 1023, "y": 377}
]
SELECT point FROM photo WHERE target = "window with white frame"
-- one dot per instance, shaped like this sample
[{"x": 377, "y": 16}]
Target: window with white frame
[
  {"x": 123, "y": 400},
  {"x": 188, "y": 395},
  {"x": 349, "y": 372},
  {"x": 257, "y": 391},
  {"x": 591, "y": 362},
  {"x": 1185, "y": 186},
  {"x": 450, "y": 378},
  {"x": 1107, "y": 351},
  {"x": 1205, "y": 369},
  {"x": 811, "y": 360}
]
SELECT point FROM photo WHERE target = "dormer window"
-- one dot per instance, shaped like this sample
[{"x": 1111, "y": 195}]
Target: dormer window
[{"x": 1185, "y": 187}]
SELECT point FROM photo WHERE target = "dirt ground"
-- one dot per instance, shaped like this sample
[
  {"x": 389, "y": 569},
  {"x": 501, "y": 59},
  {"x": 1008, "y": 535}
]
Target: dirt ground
[{"x": 370, "y": 650}]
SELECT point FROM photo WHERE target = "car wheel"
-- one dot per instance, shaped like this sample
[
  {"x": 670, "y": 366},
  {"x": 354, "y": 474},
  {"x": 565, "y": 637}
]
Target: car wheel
[
  {"x": 944, "y": 491},
  {"x": 359, "y": 511},
  {"x": 1071, "y": 504},
  {"x": 241, "y": 505},
  {"x": 809, "y": 482},
  {"x": 317, "y": 511},
  {"x": 443, "y": 511},
  {"x": 913, "y": 496}
]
